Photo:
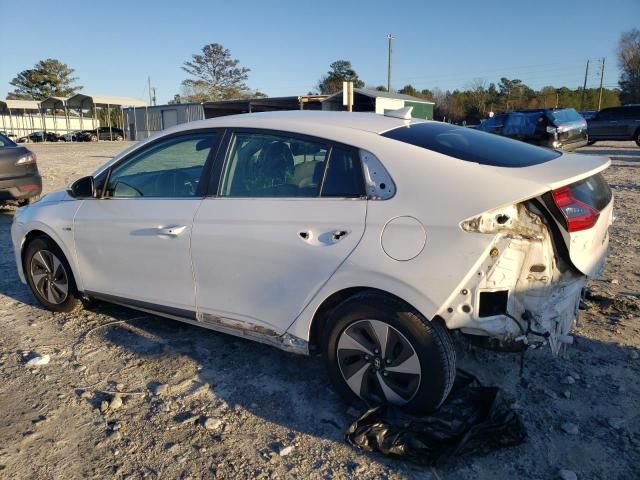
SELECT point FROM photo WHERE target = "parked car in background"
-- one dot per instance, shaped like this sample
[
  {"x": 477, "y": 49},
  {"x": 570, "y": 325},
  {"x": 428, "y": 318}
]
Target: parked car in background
[
  {"x": 558, "y": 128},
  {"x": 37, "y": 137},
  {"x": 101, "y": 133},
  {"x": 20, "y": 180},
  {"x": 616, "y": 123},
  {"x": 70, "y": 136},
  {"x": 316, "y": 232}
]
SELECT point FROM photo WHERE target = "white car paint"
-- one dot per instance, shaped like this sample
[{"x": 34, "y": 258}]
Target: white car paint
[{"x": 242, "y": 266}]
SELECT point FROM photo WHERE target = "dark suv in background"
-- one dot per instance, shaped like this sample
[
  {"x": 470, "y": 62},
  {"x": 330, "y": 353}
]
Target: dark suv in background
[
  {"x": 616, "y": 123},
  {"x": 558, "y": 128},
  {"x": 20, "y": 180},
  {"x": 102, "y": 133}
]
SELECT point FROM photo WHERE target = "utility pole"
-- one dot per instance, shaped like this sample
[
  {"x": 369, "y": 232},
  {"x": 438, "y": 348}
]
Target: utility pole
[
  {"x": 149, "y": 89},
  {"x": 389, "y": 39},
  {"x": 601, "y": 79},
  {"x": 584, "y": 87},
  {"x": 154, "y": 95}
]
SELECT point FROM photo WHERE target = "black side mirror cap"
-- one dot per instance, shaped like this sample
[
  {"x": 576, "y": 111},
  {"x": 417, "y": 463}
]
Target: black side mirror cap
[{"x": 84, "y": 187}]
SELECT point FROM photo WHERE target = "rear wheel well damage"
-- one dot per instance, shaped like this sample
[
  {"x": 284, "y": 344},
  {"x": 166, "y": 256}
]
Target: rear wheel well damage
[{"x": 323, "y": 312}]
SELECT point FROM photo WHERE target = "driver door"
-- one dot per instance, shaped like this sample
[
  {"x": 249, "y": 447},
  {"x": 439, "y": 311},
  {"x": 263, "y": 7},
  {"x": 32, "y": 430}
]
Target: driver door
[{"x": 133, "y": 243}]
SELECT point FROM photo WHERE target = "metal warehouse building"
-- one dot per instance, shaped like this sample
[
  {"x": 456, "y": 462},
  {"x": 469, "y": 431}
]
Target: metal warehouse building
[{"x": 142, "y": 122}]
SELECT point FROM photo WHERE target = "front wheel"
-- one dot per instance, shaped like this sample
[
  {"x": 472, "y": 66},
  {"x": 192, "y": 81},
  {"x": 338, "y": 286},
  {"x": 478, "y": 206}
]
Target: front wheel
[
  {"x": 49, "y": 275},
  {"x": 94, "y": 138},
  {"x": 382, "y": 351}
]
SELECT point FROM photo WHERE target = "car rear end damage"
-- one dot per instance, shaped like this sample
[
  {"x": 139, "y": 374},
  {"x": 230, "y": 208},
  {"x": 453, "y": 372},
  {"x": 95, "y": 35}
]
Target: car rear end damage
[{"x": 527, "y": 286}]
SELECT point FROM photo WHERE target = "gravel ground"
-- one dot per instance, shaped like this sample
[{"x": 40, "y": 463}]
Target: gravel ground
[{"x": 198, "y": 404}]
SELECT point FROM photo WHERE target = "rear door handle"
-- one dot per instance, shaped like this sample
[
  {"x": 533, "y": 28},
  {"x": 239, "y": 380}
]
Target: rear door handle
[
  {"x": 172, "y": 231},
  {"x": 339, "y": 234}
]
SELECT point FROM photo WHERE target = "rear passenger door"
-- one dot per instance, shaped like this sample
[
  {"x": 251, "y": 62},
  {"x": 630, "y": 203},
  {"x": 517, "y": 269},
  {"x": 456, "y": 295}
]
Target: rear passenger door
[{"x": 288, "y": 210}]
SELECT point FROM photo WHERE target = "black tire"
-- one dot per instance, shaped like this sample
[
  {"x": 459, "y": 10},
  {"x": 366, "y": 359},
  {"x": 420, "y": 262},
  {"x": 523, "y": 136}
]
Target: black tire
[
  {"x": 58, "y": 300},
  {"x": 93, "y": 138},
  {"x": 636, "y": 137},
  {"x": 591, "y": 142},
  {"x": 119, "y": 138},
  {"x": 430, "y": 341}
]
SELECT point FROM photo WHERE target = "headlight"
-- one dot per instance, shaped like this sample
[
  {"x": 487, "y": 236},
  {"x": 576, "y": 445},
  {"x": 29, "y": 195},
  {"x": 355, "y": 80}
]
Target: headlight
[{"x": 27, "y": 159}]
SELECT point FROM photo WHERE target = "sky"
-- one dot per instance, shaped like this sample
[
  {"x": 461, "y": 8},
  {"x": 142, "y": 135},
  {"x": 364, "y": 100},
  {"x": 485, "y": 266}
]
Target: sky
[{"x": 288, "y": 45}]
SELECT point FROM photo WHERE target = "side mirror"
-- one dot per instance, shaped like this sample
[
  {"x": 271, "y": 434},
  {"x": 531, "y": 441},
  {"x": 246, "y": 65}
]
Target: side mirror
[{"x": 84, "y": 187}]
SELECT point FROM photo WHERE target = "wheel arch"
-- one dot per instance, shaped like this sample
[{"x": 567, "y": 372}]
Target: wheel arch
[
  {"x": 37, "y": 232},
  {"x": 322, "y": 313}
]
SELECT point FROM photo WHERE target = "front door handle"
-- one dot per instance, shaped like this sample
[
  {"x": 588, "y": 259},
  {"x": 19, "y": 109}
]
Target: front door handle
[{"x": 173, "y": 231}]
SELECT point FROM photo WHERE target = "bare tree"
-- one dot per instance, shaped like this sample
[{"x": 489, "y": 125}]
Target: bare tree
[{"x": 629, "y": 62}]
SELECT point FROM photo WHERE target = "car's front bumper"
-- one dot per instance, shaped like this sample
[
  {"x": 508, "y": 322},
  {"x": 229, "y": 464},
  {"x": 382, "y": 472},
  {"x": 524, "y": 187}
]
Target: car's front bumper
[
  {"x": 17, "y": 237},
  {"x": 20, "y": 188}
]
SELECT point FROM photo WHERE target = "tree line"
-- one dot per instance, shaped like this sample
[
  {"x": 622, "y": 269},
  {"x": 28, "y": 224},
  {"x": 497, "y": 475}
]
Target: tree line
[{"x": 215, "y": 75}]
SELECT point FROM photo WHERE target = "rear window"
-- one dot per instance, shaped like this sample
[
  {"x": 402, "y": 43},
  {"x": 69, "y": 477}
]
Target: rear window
[
  {"x": 472, "y": 145},
  {"x": 6, "y": 142},
  {"x": 565, "y": 115}
]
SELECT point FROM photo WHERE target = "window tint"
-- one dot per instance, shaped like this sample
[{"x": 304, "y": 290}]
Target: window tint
[
  {"x": 606, "y": 114},
  {"x": 471, "y": 145},
  {"x": 344, "y": 175},
  {"x": 170, "y": 168},
  {"x": 631, "y": 113},
  {"x": 267, "y": 165}
]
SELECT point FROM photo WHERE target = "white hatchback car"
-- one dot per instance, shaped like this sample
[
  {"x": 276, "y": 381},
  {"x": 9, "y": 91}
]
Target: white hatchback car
[{"x": 362, "y": 236}]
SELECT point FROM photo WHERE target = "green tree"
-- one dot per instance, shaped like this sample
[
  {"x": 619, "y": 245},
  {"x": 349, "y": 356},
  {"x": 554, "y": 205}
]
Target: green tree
[
  {"x": 409, "y": 90},
  {"x": 217, "y": 75},
  {"x": 629, "y": 62},
  {"x": 48, "y": 78},
  {"x": 381, "y": 88},
  {"x": 341, "y": 71}
]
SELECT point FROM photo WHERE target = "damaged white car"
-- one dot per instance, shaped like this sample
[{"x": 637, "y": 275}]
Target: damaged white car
[{"x": 364, "y": 237}]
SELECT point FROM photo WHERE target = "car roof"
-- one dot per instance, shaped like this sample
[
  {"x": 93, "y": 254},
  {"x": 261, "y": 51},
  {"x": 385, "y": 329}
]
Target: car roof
[{"x": 363, "y": 121}]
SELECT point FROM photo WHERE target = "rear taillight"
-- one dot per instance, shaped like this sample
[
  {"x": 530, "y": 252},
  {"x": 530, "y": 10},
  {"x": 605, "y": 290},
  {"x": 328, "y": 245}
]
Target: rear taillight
[
  {"x": 579, "y": 215},
  {"x": 28, "y": 159}
]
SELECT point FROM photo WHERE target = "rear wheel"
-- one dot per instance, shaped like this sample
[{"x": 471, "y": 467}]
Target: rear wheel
[
  {"x": 94, "y": 138},
  {"x": 49, "y": 275},
  {"x": 119, "y": 138},
  {"x": 382, "y": 351},
  {"x": 637, "y": 137}
]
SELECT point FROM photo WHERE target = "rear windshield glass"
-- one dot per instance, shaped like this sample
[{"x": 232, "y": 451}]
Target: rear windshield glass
[
  {"x": 565, "y": 115},
  {"x": 6, "y": 142},
  {"x": 472, "y": 145},
  {"x": 594, "y": 191}
]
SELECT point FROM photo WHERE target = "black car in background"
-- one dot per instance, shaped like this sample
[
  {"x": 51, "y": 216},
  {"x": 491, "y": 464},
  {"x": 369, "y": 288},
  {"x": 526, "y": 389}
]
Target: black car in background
[
  {"x": 20, "y": 180},
  {"x": 616, "y": 123},
  {"x": 558, "y": 128},
  {"x": 101, "y": 133},
  {"x": 37, "y": 137}
]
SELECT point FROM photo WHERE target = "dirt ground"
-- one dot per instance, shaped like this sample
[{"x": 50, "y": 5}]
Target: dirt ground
[{"x": 198, "y": 404}]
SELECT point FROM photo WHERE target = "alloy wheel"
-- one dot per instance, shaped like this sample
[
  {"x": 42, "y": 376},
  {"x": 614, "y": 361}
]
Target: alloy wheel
[
  {"x": 49, "y": 277},
  {"x": 378, "y": 363}
]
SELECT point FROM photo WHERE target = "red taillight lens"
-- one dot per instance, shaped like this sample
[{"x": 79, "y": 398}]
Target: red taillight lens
[{"x": 579, "y": 215}]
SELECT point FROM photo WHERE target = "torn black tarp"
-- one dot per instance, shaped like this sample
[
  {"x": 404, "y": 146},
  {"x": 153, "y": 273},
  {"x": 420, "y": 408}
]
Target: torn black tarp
[{"x": 473, "y": 419}]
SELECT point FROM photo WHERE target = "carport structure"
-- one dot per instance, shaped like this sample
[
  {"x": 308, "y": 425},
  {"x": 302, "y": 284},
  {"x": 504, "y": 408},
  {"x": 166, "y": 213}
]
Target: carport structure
[
  {"x": 17, "y": 116},
  {"x": 82, "y": 102},
  {"x": 56, "y": 104}
]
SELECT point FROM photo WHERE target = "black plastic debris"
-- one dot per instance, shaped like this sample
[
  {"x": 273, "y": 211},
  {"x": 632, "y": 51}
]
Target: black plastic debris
[{"x": 473, "y": 420}]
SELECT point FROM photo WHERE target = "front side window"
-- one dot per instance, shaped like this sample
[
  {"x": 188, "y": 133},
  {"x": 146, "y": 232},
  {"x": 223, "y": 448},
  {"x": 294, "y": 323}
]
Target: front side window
[
  {"x": 267, "y": 165},
  {"x": 170, "y": 168}
]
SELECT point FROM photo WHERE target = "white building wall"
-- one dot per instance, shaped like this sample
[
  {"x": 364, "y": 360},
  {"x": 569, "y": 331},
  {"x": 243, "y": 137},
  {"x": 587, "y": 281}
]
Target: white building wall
[
  {"x": 23, "y": 124},
  {"x": 383, "y": 104}
]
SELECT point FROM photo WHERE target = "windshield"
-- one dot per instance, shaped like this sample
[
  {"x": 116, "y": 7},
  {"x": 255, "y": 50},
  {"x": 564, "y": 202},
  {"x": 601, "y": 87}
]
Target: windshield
[
  {"x": 472, "y": 145},
  {"x": 565, "y": 115}
]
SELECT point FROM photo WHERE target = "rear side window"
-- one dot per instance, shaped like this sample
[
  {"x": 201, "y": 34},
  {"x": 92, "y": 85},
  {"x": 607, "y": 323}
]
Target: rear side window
[
  {"x": 472, "y": 145},
  {"x": 344, "y": 175},
  {"x": 594, "y": 191}
]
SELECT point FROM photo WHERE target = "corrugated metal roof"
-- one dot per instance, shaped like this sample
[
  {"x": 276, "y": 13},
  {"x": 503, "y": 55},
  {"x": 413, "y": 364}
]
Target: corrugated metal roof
[
  {"x": 21, "y": 104},
  {"x": 53, "y": 102},
  {"x": 377, "y": 93},
  {"x": 81, "y": 100}
]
